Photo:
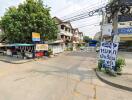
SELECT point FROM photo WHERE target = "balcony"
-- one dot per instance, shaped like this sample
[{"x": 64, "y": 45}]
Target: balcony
[{"x": 66, "y": 33}]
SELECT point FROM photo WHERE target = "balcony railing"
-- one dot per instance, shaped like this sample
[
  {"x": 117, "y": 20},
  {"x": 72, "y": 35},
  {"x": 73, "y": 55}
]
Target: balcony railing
[{"x": 63, "y": 32}]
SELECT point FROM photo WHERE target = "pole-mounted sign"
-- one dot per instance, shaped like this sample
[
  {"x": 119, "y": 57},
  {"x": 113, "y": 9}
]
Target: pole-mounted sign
[{"x": 35, "y": 36}]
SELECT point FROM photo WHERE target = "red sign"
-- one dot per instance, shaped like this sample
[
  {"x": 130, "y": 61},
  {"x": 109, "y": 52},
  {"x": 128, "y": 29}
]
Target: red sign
[{"x": 39, "y": 54}]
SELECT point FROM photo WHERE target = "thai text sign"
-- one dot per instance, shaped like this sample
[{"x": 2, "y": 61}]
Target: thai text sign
[
  {"x": 108, "y": 53},
  {"x": 125, "y": 30},
  {"x": 35, "y": 36},
  {"x": 41, "y": 47}
]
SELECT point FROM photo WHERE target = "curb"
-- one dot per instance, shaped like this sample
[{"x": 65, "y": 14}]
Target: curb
[
  {"x": 113, "y": 84},
  {"x": 15, "y": 62}
]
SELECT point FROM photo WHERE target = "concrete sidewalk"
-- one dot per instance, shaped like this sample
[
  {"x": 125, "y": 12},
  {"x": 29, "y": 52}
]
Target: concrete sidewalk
[
  {"x": 128, "y": 57},
  {"x": 14, "y": 60},
  {"x": 123, "y": 81}
]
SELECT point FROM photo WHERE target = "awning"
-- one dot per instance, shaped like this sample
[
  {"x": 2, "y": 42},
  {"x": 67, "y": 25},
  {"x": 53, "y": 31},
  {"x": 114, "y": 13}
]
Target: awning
[
  {"x": 56, "y": 42},
  {"x": 2, "y": 45},
  {"x": 19, "y": 44}
]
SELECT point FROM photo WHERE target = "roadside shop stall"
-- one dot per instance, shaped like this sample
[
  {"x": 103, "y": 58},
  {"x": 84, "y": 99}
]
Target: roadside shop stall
[
  {"x": 24, "y": 51},
  {"x": 2, "y": 48},
  {"x": 41, "y": 50}
]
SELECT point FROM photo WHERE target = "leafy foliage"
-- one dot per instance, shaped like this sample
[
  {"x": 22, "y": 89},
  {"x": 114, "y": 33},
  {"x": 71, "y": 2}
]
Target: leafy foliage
[
  {"x": 31, "y": 16},
  {"x": 120, "y": 63},
  {"x": 100, "y": 64},
  {"x": 87, "y": 39},
  {"x": 50, "y": 52}
]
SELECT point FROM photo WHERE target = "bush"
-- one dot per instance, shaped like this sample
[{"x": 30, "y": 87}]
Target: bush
[
  {"x": 69, "y": 49},
  {"x": 79, "y": 45},
  {"x": 50, "y": 52},
  {"x": 120, "y": 63},
  {"x": 110, "y": 72},
  {"x": 100, "y": 64}
]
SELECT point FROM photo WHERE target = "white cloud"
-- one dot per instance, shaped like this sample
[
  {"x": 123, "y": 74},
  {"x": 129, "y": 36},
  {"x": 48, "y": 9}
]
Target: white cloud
[{"x": 4, "y": 4}]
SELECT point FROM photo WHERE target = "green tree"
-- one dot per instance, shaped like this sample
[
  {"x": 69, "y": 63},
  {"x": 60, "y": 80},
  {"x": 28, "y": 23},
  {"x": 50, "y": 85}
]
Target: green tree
[
  {"x": 87, "y": 39},
  {"x": 18, "y": 23}
]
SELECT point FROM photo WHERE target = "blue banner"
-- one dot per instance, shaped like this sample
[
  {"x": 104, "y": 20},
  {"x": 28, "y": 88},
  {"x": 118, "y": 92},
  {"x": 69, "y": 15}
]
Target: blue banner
[
  {"x": 126, "y": 2},
  {"x": 35, "y": 39},
  {"x": 125, "y": 30},
  {"x": 122, "y": 18}
]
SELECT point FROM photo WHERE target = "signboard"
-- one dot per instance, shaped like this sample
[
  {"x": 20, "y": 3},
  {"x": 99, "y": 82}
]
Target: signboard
[
  {"x": 41, "y": 47},
  {"x": 108, "y": 53},
  {"x": 39, "y": 54},
  {"x": 125, "y": 30},
  {"x": 122, "y": 18},
  {"x": 35, "y": 36},
  {"x": 107, "y": 29},
  {"x": 128, "y": 2}
]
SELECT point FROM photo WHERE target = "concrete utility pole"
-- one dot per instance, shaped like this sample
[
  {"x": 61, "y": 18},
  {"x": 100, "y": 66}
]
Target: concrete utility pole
[
  {"x": 116, "y": 37},
  {"x": 115, "y": 25},
  {"x": 102, "y": 23},
  {"x": 115, "y": 21}
]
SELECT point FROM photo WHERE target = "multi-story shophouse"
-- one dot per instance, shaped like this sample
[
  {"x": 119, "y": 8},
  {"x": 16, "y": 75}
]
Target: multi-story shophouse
[
  {"x": 80, "y": 37},
  {"x": 68, "y": 35},
  {"x": 77, "y": 38},
  {"x": 65, "y": 33}
]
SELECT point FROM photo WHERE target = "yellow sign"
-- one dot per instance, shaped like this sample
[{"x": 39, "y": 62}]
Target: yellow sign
[
  {"x": 35, "y": 35},
  {"x": 41, "y": 47}
]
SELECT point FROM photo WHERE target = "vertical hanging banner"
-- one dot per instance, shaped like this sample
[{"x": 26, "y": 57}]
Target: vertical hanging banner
[
  {"x": 35, "y": 36},
  {"x": 108, "y": 53}
]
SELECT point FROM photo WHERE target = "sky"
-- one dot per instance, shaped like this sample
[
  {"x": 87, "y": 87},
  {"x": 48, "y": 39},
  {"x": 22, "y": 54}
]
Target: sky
[{"x": 67, "y": 8}]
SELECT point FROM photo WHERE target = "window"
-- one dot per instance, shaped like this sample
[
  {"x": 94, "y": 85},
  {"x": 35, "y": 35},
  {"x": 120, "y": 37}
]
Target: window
[
  {"x": 62, "y": 27},
  {"x": 65, "y": 29},
  {"x": 122, "y": 23}
]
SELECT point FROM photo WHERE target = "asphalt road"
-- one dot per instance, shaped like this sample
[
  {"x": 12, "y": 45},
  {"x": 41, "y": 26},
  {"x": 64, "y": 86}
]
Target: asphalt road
[{"x": 69, "y": 76}]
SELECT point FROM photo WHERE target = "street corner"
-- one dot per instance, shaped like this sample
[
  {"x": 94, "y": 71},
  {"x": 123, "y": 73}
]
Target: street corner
[{"x": 121, "y": 82}]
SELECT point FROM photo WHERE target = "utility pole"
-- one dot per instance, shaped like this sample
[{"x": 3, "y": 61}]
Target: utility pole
[
  {"x": 115, "y": 33},
  {"x": 115, "y": 26},
  {"x": 102, "y": 23}
]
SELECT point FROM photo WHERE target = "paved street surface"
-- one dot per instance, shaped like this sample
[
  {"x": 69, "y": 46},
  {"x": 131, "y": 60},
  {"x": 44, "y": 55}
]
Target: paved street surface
[{"x": 69, "y": 76}]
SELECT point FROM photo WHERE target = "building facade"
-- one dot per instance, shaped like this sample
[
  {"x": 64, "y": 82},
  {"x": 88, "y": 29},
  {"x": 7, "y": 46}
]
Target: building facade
[{"x": 70, "y": 36}]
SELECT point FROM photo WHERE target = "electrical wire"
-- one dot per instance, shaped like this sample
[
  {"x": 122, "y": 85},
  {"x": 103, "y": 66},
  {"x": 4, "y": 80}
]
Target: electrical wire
[
  {"x": 81, "y": 14},
  {"x": 82, "y": 10},
  {"x": 84, "y": 14}
]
